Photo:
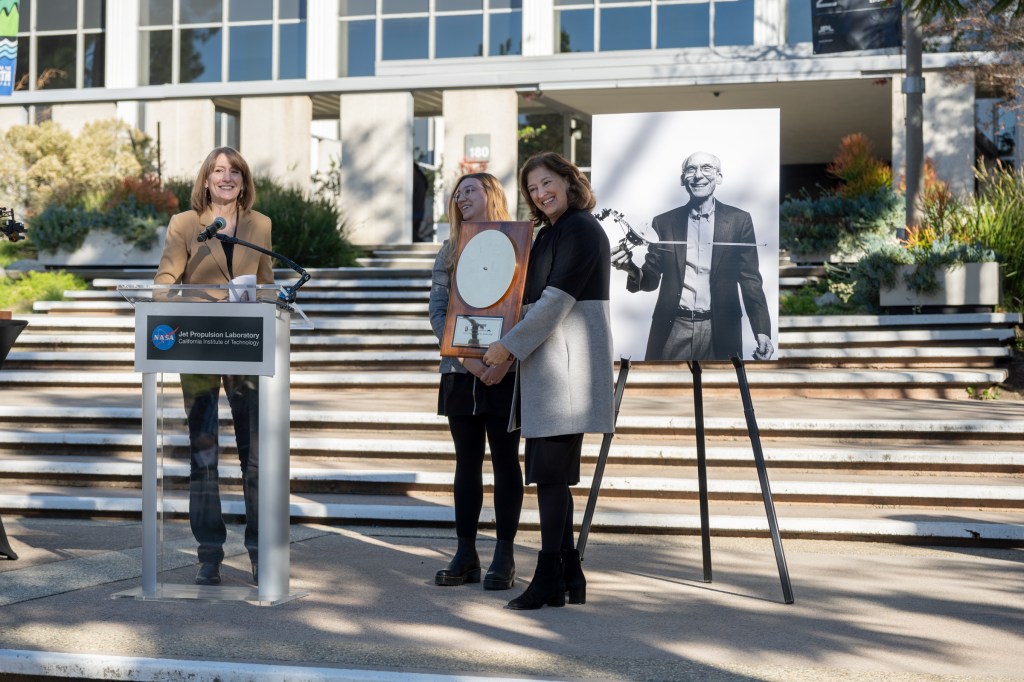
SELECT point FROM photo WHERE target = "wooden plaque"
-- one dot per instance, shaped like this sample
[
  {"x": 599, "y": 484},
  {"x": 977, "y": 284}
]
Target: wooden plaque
[{"x": 486, "y": 294}]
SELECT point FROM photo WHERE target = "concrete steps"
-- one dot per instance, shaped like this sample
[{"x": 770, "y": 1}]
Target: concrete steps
[{"x": 863, "y": 420}]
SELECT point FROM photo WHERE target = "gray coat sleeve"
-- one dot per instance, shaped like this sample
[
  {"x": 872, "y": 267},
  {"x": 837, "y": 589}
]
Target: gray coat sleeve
[
  {"x": 540, "y": 320},
  {"x": 440, "y": 288}
]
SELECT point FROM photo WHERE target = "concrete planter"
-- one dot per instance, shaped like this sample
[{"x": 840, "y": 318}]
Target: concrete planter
[
  {"x": 819, "y": 257},
  {"x": 970, "y": 284},
  {"x": 104, "y": 248}
]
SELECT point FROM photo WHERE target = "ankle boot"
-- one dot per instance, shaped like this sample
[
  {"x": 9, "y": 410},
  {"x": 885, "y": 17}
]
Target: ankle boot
[
  {"x": 464, "y": 566},
  {"x": 575, "y": 581},
  {"x": 502, "y": 573},
  {"x": 547, "y": 586}
]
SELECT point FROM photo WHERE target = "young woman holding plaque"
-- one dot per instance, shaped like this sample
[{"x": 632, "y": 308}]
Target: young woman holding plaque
[
  {"x": 477, "y": 401},
  {"x": 564, "y": 346},
  {"x": 223, "y": 189}
]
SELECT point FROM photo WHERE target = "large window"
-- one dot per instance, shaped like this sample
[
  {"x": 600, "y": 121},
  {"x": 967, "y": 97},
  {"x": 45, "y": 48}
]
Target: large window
[
  {"x": 420, "y": 29},
  {"x": 203, "y": 41},
  {"x": 60, "y": 44},
  {"x": 609, "y": 25},
  {"x": 798, "y": 22}
]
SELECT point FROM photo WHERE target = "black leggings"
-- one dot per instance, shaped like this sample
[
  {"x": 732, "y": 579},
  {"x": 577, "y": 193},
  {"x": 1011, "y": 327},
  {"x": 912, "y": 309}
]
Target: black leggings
[{"x": 470, "y": 434}]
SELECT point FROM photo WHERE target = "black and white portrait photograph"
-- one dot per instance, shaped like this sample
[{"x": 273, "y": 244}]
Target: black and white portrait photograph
[{"x": 690, "y": 202}]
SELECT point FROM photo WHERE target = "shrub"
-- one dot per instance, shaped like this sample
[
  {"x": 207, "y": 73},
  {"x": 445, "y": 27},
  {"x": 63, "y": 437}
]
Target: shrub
[
  {"x": 308, "y": 231},
  {"x": 864, "y": 205},
  {"x": 19, "y": 294}
]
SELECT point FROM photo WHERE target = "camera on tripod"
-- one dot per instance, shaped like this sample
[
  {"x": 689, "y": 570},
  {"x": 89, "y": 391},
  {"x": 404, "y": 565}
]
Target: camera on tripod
[{"x": 11, "y": 228}]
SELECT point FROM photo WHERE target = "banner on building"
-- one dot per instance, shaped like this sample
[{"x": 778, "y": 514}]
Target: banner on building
[
  {"x": 847, "y": 25},
  {"x": 9, "y": 18}
]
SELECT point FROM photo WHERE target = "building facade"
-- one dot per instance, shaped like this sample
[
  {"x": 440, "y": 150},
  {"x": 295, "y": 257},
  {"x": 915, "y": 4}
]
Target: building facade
[{"x": 374, "y": 84}]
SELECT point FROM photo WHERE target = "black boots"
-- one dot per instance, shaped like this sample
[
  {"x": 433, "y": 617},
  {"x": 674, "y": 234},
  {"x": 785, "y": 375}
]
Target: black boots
[
  {"x": 502, "y": 573},
  {"x": 547, "y": 586},
  {"x": 463, "y": 568},
  {"x": 575, "y": 581}
]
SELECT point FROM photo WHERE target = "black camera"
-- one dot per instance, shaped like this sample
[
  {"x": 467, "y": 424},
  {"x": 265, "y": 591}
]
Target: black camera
[{"x": 11, "y": 228}]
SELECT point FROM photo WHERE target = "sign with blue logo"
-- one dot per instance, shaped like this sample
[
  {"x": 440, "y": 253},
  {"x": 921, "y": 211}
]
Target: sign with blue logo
[
  {"x": 9, "y": 19},
  {"x": 205, "y": 338}
]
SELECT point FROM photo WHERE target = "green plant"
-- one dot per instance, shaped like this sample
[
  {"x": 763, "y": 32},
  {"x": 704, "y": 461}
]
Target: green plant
[
  {"x": 840, "y": 220},
  {"x": 812, "y": 299},
  {"x": 996, "y": 218},
  {"x": 134, "y": 209},
  {"x": 19, "y": 294},
  {"x": 13, "y": 251},
  {"x": 310, "y": 231},
  {"x": 990, "y": 393}
]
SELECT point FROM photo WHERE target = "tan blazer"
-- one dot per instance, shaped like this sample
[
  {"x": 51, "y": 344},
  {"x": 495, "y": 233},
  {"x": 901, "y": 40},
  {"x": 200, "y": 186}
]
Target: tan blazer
[{"x": 186, "y": 260}]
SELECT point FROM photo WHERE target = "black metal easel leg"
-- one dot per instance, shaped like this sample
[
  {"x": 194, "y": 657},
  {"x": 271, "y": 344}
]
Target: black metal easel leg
[
  {"x": 762, "y": 475},
  {"x": 702, "y": 468},
  {"x": 5, "y": 546},
  {"x": 602, "y": 459}
]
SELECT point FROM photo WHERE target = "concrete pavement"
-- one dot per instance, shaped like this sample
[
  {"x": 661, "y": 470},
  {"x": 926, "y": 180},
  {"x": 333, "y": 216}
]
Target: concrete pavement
[{"x": 862, "y": 611}]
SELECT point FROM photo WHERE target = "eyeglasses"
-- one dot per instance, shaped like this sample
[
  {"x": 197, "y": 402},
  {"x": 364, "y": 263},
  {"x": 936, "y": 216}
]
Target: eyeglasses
[
  {"x": 466, "y": 193},
  {"x": 707, "y": 170}
]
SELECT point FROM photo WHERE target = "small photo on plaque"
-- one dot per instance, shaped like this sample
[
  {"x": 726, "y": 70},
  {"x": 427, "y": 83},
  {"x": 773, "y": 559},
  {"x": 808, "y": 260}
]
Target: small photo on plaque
[{"x": 475, "y": 331}]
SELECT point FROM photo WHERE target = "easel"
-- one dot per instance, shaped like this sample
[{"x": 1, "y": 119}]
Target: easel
[{"x": 702, "y": 469}]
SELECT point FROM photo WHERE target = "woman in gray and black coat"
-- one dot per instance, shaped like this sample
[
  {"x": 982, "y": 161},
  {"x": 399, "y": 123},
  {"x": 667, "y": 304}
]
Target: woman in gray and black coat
[
  {"x": 477, "y": 401},
  {"x": 564, "y": 346}
]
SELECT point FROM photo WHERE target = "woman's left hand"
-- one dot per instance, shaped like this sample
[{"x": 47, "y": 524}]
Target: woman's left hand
[{"x": 496, "y": 354}]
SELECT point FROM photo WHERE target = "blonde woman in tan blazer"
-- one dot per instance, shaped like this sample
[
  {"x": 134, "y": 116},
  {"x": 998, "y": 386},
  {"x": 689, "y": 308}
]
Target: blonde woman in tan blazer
[{"x": 223, "y": 189}]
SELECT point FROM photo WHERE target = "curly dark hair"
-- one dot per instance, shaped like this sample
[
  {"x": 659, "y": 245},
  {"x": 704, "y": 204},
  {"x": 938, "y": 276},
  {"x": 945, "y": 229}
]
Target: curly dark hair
[{"x": 579, "y": 194}]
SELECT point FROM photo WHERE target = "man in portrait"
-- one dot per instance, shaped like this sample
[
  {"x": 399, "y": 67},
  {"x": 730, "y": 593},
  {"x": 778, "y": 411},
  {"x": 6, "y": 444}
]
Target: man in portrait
[{"x": 705, "y": 262}]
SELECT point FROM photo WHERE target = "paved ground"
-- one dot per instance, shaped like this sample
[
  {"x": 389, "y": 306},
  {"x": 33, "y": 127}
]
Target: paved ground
[{"x": 862, "y": 611}]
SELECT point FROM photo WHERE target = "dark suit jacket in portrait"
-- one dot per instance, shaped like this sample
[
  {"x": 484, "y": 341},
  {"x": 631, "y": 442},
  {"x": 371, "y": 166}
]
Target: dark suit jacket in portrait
[{"x": 734, "y": 273}]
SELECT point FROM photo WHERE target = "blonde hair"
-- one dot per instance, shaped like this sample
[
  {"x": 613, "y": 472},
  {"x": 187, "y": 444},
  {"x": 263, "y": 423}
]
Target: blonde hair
[
  {"x": 578, "y": 192},
  {"x": 201, "y": 196},
  {"x": 496, "y": 209}
]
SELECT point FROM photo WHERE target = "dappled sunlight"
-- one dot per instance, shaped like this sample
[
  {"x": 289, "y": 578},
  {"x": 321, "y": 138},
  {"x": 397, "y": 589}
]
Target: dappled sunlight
[{"x": 426, "y": 552}]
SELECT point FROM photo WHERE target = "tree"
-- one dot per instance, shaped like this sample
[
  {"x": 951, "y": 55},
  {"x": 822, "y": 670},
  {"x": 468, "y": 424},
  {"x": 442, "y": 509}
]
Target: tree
[{"x": 950, "y": 9}]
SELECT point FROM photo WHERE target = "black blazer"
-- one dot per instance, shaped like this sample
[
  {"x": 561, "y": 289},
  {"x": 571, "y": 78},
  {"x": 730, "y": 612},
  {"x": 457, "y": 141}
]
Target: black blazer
[{"x": 734, "y": 273}]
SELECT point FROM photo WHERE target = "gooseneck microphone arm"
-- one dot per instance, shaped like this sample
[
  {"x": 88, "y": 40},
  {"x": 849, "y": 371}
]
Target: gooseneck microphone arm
[{"x": 288, "y": 295}]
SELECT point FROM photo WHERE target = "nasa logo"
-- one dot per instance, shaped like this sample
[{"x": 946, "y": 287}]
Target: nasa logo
[{"x": 164, "y": 337}]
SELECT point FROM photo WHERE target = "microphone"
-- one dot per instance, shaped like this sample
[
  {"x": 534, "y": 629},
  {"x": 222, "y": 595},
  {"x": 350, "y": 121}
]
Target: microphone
[{"x": 211, "y": 229}]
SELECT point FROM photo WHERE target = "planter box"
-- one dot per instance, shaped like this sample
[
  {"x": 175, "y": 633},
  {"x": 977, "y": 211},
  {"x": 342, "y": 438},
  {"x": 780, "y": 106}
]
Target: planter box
[
  {"x": 103, "y": 248},
  {"x": 971, "y": 284}
]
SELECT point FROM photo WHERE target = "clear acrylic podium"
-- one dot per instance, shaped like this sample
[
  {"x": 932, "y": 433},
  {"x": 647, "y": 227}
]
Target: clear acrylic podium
[{"x": 212, "y": 330}]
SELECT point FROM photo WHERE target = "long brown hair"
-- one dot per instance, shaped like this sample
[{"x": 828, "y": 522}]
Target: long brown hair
[
  {"x": 201, "y": 197},
  {"x": 578, "y": 192},
  {"x": 496, "y": 209}
]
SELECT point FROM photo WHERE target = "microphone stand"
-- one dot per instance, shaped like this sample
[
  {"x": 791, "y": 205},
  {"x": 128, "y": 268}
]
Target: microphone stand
[{"x": 287, "y": 296}]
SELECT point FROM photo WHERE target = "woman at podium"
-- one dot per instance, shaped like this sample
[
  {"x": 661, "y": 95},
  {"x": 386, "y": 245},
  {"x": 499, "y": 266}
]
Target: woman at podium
[
  {"x": 222, "y": 199},
  {"x": 477, "y": 401},
  {"x": 564, "y": 346}
]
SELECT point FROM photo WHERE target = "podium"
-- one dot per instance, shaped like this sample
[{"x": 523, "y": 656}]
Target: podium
[{"x": 212, "y": 330}]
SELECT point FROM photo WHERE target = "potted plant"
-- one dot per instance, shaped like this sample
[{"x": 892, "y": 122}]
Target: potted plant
[{"x": 127, "y": 228}]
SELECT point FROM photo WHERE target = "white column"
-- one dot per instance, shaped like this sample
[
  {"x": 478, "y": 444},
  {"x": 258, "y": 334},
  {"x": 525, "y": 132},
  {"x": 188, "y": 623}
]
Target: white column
[
  {"x": 186, "y": 133},
  {"x": 322, "y": 40},
  {"x": 770, "y": 21},
  {"x": 73, "y": 117},
  {"x": 274, "y": 137},
  {"x": 948, "y": 131},
  {"x": 473, "y": 112},
  {"x": 538, "y": 28},
  {"x": 122, "y": 44},
  {"x": 376, "y": 167}
]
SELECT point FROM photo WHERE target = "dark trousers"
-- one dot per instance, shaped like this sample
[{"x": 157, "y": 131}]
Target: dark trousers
[
  {"x": 202, "y": 394},
  {"x": 469, "y": 434}
]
